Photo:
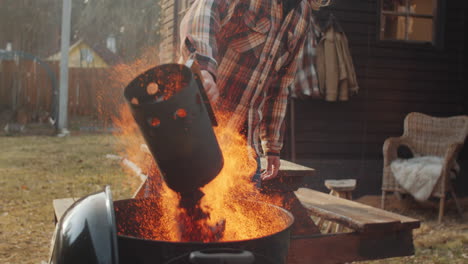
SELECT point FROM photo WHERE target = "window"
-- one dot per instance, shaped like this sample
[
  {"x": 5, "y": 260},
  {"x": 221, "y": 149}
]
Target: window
[
  {"x": 86, "y": 56},
  {"x": 111, "y": 43},
  {"x": 414, "y": 21}
]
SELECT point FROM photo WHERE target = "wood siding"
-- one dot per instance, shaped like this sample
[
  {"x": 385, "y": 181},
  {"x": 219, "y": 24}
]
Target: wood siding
[{"x": 345, "y": 139}]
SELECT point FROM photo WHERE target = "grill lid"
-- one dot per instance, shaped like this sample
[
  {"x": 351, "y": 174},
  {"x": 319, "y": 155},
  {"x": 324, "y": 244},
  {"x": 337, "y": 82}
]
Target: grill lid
[{"x": 86, "y": 233}]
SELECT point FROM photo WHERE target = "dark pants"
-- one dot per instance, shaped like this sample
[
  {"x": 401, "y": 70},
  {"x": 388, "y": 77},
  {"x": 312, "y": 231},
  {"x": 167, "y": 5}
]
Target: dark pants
[{"x": 256, "y": 178}]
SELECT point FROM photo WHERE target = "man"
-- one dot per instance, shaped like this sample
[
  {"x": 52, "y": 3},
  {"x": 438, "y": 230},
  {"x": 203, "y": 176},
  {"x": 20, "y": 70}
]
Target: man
[{"x": 248, "y": 51}]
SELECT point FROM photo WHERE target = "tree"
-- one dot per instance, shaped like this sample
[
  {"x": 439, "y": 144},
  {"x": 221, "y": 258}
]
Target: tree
[
  {"x": 33, "y": 26},
  {"x": 135, "y": 24},
  {"x": 30, "y": 25}
]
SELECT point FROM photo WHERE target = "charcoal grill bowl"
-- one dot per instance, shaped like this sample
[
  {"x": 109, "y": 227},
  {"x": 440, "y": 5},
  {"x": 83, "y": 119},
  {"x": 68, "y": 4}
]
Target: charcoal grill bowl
[
  {"x": 268, "y": 249},
  {"x": 86, "y": 233}
]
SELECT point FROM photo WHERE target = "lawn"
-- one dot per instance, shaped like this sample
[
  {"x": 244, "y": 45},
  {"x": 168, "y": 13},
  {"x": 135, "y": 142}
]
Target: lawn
[{"x": 34, "y": 170}]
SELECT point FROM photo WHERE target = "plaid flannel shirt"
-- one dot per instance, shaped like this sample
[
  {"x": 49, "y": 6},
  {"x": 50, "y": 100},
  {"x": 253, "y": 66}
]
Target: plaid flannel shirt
[
  {"x": 306, "y": 80},
  {"x": 252, "y": 52}
]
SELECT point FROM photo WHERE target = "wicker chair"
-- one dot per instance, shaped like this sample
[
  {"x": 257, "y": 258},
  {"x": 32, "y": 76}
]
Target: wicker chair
[{"x": 426, "y": 135}]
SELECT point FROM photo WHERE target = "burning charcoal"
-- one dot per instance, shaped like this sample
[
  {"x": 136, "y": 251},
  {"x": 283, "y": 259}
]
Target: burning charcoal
[
  {"x": 190, "y": 200},
  {"x": 194, "y": 226},
  {"x": 180, "y": 113},
  {"x": 194, "y": 221},
  {"x": 218, "y": 229},
  {"x": 174, "y": 82},
  {"x": 160, "y": 74},
  {"x": 154, "y": 122}
]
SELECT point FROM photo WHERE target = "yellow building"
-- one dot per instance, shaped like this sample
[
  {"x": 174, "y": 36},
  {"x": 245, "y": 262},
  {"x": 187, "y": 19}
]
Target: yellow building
[{"x": 83, "y": 55}]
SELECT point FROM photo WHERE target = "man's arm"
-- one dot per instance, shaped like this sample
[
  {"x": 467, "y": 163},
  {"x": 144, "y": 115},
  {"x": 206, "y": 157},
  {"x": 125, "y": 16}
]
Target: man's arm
[
  {"x": 272, "y": 127},
  {"x": 198, "y": 31}
]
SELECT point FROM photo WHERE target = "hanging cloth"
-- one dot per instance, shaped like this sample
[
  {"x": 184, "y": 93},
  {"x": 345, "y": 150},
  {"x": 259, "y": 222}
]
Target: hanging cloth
[
  {"x": 336, "y": 75},
  {"x": 305, "y": 83}
]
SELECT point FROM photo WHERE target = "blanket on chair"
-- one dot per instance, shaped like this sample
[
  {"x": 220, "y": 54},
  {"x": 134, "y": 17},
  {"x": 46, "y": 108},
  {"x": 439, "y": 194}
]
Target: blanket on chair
[{"x": 418, "y": 175}]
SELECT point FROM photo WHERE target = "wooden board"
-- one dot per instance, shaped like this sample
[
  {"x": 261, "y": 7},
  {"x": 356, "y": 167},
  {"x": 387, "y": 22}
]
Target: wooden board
[
  {"x": 61, "y": 205},
  {"x": 357, "y": 216},
  {"x": 290, "y": 177},
  {"x": 349, "y": 247},
  {"x": 290, "y": 169}
]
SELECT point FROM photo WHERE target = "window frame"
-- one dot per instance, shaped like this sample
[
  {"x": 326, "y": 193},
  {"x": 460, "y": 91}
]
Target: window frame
[{"x": 438, "y": 17}]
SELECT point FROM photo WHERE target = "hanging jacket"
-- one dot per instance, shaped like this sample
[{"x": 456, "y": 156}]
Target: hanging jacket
[
  {"x": 335, "y": 69},
  {"x": 305, "y": 83}
]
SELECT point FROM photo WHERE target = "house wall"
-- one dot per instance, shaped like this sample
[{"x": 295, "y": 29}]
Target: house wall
[
  {"x": 173, "y": 12},
  {"x": 75, "y": 60},
  {"x": 74, "y": 57},
  {"x": 462, "y": 183},
  {"x": 168, "y": 45},
  {"x": 344, "y": 139}
]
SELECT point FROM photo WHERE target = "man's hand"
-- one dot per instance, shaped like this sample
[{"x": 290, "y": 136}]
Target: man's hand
[
  {"x": 210, "y": 86},
  {"x": 272, "y": 168}
]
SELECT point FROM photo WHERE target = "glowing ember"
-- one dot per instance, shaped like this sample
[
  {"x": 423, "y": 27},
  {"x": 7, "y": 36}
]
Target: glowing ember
[
  {"x": 181, "y": 113},
  {"x": 171, "y": 83},
  {"x": 225, "y": 212},
  {"x": 155, "y": 122}
]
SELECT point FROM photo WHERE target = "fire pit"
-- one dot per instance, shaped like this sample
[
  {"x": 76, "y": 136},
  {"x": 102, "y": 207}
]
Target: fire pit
[
  {"x": 86, "y": 233},
  {"x": 142, "y": 238},
  {"x": 374, "y": 237}
]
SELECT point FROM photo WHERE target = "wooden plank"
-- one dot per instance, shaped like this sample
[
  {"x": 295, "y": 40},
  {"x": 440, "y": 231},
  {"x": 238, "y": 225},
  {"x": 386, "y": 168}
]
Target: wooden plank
[
  {"x": 345, "y": 185},
  {"x": 334, "y": 209},
  {"x": 61, "y": 205},
  {"x": 349, "y": 247},
  {"x": 291, "y": 176},
  {"x": 290, "y": 169},
  {"x": 354, "y": 215}
]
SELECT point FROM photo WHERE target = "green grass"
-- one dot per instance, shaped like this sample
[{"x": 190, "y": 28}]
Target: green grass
[{"x": 34, "y": 170}]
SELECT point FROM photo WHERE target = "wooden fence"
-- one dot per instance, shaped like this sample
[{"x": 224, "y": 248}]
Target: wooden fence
[{"x": 29, "y": 85}]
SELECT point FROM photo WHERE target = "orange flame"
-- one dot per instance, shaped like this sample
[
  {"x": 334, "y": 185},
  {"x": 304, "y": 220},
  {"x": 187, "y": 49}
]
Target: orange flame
[
  {"x": 229, "y": 196},
  {"x": 226, "y": 198}
]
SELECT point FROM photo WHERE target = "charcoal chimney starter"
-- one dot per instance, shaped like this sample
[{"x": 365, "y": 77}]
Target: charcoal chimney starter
[{"x": 170, "y": 111}]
